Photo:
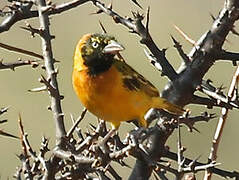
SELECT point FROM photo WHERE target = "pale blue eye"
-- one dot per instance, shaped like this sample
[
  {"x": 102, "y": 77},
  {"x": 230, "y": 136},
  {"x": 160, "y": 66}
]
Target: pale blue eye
[{"x": 95, "y": 44}]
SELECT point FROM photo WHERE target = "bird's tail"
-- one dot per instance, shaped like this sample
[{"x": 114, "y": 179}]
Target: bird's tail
[{"x": 161, "y": 103}]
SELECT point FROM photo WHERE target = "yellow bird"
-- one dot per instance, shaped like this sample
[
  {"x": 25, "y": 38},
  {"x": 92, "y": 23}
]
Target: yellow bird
[{"x": 108, "y": 87}]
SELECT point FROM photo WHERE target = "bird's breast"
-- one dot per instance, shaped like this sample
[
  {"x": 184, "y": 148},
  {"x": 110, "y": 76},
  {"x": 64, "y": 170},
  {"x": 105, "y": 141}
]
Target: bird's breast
[
  {"x": 105, "y": 96},
  {"x": 97, "y": 93}
]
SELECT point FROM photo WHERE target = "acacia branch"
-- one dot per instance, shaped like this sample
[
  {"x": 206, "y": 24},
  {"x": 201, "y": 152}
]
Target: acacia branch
[
  {"x": 221, "y": 124},
  {"x": 51, "y": 72},
  {"x": 210, "y": 102},
  {"x": 24, "y": 12},
  {"x": 181, "y": 91},
  {"x": 226, "y": 55},
  {"x": 220, "y": 172}
]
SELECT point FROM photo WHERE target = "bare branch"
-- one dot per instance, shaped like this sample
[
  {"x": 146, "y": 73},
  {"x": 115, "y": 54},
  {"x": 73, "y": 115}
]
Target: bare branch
[
  {"x": 178, "y": 46},
  {"x": 80, "y": 118},
  {"x": 3, "y": 110},
  {"x": 191, "y": 121},
  {"x": 24, "y": 156},
  {"x": 3, "y": 121},
  {"x": 210, "y": 102},
  {"x": 39, "y": 89},
  {"x": 136, "y": 2},
  {"x": 19, "y": 50},
  {"x": 185, "y": 36},
  {"x": 25, "y": 12},
  {"x": 220, "y": 172},
  {"x": 3, "y": 133},
  {"x": 231, "y": 56},
  {"x": 66, "y": 155},
  {"x": 102, "y": 27},
  {"x": 51, "y": 73},
  {"x": 217, "y": 94},
  {"x": 13, "y": 65},
  {"x": 221, "y": 123}
]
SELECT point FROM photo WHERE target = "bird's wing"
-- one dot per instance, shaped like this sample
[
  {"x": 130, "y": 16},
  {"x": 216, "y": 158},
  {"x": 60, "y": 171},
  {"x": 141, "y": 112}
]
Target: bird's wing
[{"x": 134, "y": 81}]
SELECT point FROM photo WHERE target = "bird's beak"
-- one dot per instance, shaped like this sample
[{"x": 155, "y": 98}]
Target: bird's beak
[{"x": 113, "y": 48}]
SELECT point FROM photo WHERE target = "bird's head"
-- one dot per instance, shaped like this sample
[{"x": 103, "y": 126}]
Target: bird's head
[{"x": 96, "y": 51}]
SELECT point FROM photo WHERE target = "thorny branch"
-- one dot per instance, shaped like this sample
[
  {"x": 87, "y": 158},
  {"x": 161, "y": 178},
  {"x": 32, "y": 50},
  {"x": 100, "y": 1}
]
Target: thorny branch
[
  {"x": 191, "y": 73},
  {"x": 78, "y": 158},
  {"x": 13, "y": 65},
  {"x": 22, "y": 10},
  {"x": 84, "y": 162},
  {"x": 187, "y": 161},
  {"x": 221, "y": 124},
  {"x": 51, "y": 72}
]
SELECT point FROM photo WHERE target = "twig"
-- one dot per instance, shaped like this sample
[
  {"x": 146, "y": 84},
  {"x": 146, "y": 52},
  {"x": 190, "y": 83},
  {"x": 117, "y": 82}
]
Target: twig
[
  {"x": 79, "y": 119},
  {"x": 3, "y": 121},
  {"x": 178, "y": 46},
  {"x": 221, "y": 123},
  {"x": 3, "y": 110},
  {"x": 24, "y": 148},
  {"x": 19, "y": 50},
  {"x": 220, "y": 172},
  {"x": 185, "y": 36},
  {"x": 17, "y": 174},
  {"x": 51, "y": 73},
  {"x": 90, "y": 138},
  {"x": 25, "y": 12},
  {"x": 39, "y": 89},
  {"x": 24, "y": 156},
  {"x": 66, "y": 155},
  {"x": 180, "y": 150},
  {"x": 191, "y": 121},
  {"x": 211, "y": 102},
  {"x": 3, "y": 133},
  {"x": 13, "y": 65}
]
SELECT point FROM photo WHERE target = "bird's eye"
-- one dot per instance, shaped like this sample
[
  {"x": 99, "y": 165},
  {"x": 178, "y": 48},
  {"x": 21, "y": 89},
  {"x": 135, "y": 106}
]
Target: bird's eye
[{"x": 95, "y": 44}]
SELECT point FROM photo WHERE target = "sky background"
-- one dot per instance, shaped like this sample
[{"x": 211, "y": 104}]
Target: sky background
[{"x": 192, "y": 16}]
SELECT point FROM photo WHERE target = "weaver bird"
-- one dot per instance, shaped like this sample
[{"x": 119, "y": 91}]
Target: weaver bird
[{"x": 108, "y": 87}]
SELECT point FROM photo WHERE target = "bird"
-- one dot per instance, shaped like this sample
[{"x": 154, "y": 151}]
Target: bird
[{"x": 110, "y": 88}]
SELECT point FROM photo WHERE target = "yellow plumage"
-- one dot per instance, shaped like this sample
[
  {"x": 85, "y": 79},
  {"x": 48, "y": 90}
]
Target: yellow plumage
[{"x": 114, "y": 92}]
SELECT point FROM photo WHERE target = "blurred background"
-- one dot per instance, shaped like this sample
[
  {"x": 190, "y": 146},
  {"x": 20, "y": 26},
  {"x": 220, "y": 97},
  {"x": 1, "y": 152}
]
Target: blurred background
[{"x": 193, "y": 17}]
